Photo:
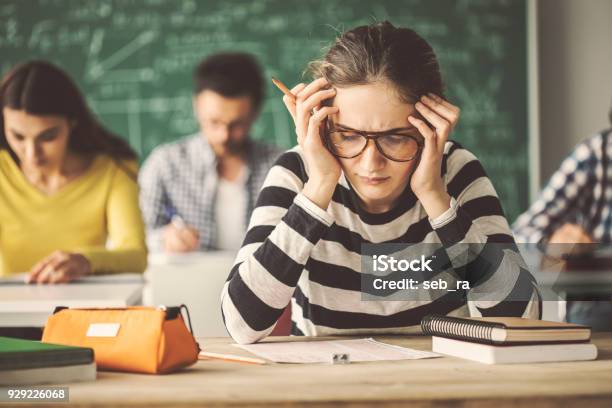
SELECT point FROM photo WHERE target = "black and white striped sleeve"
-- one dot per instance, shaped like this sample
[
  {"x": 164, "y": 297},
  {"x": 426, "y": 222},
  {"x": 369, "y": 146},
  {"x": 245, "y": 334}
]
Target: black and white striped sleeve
[
  {"x": 284, "y": 228},
  {"x": 479, "y": 242}
]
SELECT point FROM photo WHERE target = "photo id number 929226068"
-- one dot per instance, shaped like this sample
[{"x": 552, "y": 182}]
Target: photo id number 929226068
[{"x": 38, "y": 394}]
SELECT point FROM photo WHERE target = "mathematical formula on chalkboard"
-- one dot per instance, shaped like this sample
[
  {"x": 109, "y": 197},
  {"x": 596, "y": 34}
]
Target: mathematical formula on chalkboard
[{"x": 134, "y": 58}]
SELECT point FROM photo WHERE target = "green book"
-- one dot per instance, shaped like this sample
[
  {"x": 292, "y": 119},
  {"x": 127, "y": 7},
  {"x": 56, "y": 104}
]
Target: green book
[{"x": 19, "y": 354}]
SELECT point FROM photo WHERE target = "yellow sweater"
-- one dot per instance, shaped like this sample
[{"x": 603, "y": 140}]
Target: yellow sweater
[{"x": 96, "y": 215}]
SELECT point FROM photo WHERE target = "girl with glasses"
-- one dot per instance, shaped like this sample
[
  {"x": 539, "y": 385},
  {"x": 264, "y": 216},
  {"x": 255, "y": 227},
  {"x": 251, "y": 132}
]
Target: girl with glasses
[{"x": 373, "y": 165}]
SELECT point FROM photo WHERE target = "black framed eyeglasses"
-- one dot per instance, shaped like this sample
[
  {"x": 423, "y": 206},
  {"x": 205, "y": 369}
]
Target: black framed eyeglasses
[{"x": 398, "y": 144}]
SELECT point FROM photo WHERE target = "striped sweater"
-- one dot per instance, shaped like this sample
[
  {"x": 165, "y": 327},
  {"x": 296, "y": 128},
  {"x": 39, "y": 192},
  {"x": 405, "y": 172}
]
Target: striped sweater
[{"x": 296, "y": 252}]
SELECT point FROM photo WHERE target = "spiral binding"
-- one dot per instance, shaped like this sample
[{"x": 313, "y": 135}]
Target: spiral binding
[{"x": 458, "y": 328}]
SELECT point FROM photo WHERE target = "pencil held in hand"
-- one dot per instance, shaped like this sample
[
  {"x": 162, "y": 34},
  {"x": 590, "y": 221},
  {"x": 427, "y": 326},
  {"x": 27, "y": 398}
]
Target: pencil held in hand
[{"x": 284, "y": 89}]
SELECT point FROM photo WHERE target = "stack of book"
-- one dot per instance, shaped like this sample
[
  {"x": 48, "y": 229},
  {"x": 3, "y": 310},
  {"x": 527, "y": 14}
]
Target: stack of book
[
  {"x": 503, "y": 340},
  {"x": 25, "y": 362}
]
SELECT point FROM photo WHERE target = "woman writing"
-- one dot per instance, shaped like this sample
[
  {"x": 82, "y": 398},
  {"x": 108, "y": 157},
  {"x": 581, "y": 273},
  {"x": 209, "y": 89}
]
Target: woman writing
[
  {"x": 384, "y": 171},
  {"x": 69, "y": 205}
]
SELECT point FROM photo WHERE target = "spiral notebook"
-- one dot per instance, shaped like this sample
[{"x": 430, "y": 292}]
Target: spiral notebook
[{"x": 504, "y": 330}]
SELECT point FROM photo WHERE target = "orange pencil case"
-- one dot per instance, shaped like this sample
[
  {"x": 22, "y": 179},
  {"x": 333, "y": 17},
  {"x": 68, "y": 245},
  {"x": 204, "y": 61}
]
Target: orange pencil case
[{"x": 136, "y": 339}]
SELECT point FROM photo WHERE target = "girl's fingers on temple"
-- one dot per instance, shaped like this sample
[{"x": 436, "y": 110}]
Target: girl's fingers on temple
[
  {"x": 428, "y": 134},
  {"x": 422, "y": 127},
  {"x": 317, "y": 118},
  {"x": 448, "y": 113},
  {"x": 444, "y": 102},
  {"x": 442, "y": 125},
  {"x": 315, "y": 99},
  {"x": 315, "y": 121},
  {"x": 322, "y": 113},
  {"x": 309, "y": 98},
  {"x": 310, "y": 89},
  {"x": 454, "y": 111}
]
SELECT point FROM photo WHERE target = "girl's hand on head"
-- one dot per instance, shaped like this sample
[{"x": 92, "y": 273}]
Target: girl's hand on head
[
  {"x": 60, "y": 267},
  {"x": 309, "y": 117},
  {"x": 426, "y": 181}
]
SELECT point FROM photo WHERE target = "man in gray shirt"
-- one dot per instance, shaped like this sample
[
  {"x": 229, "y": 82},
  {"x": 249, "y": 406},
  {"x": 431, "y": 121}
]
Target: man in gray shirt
[{"x": 198, "y": 193}]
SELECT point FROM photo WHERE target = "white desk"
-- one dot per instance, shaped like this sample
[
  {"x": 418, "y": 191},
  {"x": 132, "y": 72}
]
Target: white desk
[
  {"x": 577, "y": 282},
  {"x": 24, "y": 305},
  {"x": 194, "y": 279},
  {"x": 555, "y": 283}
]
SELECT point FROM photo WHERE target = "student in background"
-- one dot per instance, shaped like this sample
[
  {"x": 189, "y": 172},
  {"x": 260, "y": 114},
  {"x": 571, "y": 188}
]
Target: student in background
[
  {"x": 320, "y": 203},
  {"x": 67, "y": 186},
  {"x": 198, "y": 193},
  {"x": 576, "y": 208},
  {"x": 576, "y": 205}
]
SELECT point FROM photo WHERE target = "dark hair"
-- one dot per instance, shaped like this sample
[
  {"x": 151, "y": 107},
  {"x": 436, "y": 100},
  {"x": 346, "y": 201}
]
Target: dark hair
[
  {"x": 382, "y": 52},
  {"x": 41, "y": 88},
  {"x": 231, "y": 75}
]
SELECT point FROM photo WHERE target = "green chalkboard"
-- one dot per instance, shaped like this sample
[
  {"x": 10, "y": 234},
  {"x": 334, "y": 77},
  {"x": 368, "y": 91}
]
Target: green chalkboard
[{"x": 134, "y": 58}]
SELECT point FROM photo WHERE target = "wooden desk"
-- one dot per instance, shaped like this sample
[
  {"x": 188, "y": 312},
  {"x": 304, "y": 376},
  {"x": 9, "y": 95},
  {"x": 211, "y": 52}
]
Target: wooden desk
[{"x": 420, "y": 383}]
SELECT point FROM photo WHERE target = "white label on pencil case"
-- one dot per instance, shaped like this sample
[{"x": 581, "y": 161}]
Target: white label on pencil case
[{"x": 103, "y": 330}]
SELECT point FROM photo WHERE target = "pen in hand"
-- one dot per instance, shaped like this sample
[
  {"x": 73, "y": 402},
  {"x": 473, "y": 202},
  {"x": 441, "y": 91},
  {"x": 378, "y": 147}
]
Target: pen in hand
[
  {"x": 179, "y": 237},
  {"x": 175, "y": 219},
  {"x": 178, "y": 221}
]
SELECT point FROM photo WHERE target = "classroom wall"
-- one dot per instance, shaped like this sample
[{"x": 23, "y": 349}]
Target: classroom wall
[{"x": 575, "y": 57}]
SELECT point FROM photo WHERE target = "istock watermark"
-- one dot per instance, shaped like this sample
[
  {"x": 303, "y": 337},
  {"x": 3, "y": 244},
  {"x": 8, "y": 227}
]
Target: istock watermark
[{"x": 484, "y": 271}]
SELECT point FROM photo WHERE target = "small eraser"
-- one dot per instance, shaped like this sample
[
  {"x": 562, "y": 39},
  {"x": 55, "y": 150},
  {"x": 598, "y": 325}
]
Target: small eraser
[{"x": 341, "y": 358}]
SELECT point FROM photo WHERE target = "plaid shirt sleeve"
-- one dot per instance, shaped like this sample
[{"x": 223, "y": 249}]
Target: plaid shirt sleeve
[
  {"x": 153, "y": 198},
  {"x": 561, "y": 199}
]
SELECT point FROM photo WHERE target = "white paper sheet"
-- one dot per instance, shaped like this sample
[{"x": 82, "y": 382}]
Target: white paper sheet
[{"x": 322, "y": 351}]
